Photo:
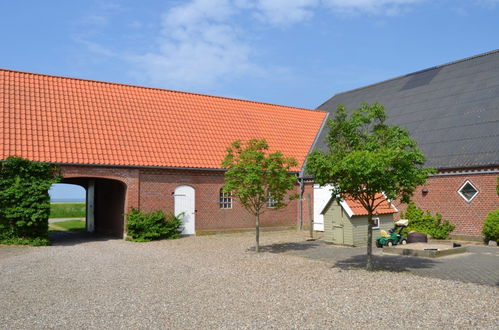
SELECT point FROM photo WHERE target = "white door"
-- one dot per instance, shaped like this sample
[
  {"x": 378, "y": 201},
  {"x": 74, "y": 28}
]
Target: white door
[
  {"x": 184, "y": 203},
  {"x": 322, "y": 194}
]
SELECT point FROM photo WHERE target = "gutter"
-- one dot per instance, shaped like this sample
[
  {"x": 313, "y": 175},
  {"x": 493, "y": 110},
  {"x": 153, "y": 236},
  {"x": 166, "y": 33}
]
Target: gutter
[
  {"x": 142, "y": 166},
  {"x": 465, "y": 172}
]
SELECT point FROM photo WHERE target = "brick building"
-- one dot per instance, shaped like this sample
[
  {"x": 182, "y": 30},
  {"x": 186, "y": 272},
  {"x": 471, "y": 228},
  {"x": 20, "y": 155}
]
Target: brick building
[
  {"x": 148, "y": 148},
  {"x": 452, "y": 111}
]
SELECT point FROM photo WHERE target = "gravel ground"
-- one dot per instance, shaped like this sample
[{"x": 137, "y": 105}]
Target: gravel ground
[{"x": 217, "y": 282}]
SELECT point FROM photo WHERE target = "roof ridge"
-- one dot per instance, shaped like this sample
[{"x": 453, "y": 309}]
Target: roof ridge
[
  {"x": 413, "y": 73},
  {"x": 159, "y": 89}
]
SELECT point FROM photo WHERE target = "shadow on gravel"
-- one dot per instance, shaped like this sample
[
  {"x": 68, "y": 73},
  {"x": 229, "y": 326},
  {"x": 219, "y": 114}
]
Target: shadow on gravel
[
  {"x": 387, "y": 263},
  {"x": 68, "y": 238},
  {"x": 286, "y": 247},
  {"x": 348, "y": 257}
]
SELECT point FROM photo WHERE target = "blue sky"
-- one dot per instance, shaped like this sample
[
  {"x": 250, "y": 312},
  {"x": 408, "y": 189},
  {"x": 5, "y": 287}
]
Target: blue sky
[{"x": 291, "y": 52}]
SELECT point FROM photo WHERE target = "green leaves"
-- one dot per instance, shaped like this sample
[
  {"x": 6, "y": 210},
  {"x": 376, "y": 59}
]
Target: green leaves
[
  {"x": 145, "y": 227},
  {"x": 424, "y": 222},
  {"x": 367, "y": 156},
  {"x": 253, "y": 172},
  {"x": 24, "y": 199},
  {"x": 491, "y": 226}
]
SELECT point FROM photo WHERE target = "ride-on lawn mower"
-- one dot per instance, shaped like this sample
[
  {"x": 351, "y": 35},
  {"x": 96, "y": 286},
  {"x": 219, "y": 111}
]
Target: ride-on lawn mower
[{"x": 394, "y": 235}]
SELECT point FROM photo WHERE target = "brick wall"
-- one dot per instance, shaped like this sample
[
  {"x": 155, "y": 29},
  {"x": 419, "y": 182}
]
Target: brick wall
[
  {"x": 156, "y": 192},
  {"x": 152, "y": 189},
  {"x": 128, "y": 176},
  {"x": 443, "y": 197}
]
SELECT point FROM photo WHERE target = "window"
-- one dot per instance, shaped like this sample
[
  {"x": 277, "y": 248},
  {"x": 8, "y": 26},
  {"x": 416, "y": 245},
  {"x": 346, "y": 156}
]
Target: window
[
  {"x": 375, "y": 223},
  {"x": 468, "y": 191},
  {"x": 225, "y": 200},
  {"x": 271, "y": 202}
]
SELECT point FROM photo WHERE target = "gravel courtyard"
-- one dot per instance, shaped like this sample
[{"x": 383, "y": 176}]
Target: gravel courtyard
[{"x": 218, "y": 282}]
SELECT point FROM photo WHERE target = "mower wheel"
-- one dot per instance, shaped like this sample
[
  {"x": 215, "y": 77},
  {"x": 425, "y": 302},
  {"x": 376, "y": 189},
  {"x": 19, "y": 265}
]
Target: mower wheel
[
  {"x": 389, "y": 243},
  {"x": 403, "y": 242},
  {"x": 378, "y": 244}
]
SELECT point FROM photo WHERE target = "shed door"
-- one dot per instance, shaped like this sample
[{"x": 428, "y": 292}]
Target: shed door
[
  {"x": 321, "y": 196},
  {"x": 185, "y": 203},
  {"x": 338, "y": 230},
  {"x": 338, "y": 226}
]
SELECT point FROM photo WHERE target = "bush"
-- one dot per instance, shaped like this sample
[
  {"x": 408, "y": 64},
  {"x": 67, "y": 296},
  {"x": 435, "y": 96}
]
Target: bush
[
  {"x": 491, "y": 226},
  {"x": 145, "y": 227},
  {"x": 26, "y": 241},
  {"x": 24, "y": 201},
  {"x": 424, "y": 222}
]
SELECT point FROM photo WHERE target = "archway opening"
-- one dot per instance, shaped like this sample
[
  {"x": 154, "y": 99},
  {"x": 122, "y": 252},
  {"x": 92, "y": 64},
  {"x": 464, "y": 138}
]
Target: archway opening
[
  {"x": 67, "y": 208},
  {"x": 104, "y": 204}
]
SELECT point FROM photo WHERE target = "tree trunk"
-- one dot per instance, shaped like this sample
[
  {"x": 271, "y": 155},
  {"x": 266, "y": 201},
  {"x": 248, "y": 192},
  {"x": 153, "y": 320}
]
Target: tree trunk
[
  {"x": 369, "y": 263},
  {"x": 257, "y": 247}
]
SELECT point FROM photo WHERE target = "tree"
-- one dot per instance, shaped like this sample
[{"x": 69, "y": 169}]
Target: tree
[
  {"x": 367, "y": 157},
  {"x": 254, "y": 175}
]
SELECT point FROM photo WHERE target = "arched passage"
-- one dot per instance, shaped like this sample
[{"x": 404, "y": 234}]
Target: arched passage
[{"x": 105, "y": 202}]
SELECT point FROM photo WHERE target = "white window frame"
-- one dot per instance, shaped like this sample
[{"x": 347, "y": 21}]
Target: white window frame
[
  {"x": 271, "y": 203},
  {"x": 225, "y": 200},
  {"x": 376, "y": 220},
  {"x": 464, "y": 197}
]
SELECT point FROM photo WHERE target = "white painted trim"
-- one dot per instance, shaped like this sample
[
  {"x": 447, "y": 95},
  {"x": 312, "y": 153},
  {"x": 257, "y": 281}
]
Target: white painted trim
[
  {"x": 390, "y": 201},
  {"x": 464, "y": 197},
  {"x": 347, "y": 208},
  {"x": 379, "y": 223},
  {"x": 90, "y": 206},
  {"x": 470, "y": 172},
  {"x": 221, "y": 196},
  {"x": 324, "y": 122}
]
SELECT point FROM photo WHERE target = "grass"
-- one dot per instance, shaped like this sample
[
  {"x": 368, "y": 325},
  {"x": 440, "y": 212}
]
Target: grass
[
  {"x": 70, "y": 225},
  {"x": 67, "y": 210}
]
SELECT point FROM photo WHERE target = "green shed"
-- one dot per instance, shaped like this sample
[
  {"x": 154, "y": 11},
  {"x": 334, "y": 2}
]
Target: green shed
[{"x": 345, "y": 221}]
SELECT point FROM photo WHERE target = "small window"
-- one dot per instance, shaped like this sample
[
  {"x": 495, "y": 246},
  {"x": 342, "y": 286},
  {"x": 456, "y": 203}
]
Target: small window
[
  {"x": 468, "y": 191},
  {"x": 375, "y": 223},
  {"x": 271, "y": 202},
  {"x": 225, "y": 200}
]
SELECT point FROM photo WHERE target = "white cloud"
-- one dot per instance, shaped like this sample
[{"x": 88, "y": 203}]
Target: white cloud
[
  {"x": 198, "y": 47},
  {"x": 374, "y": 7},
  {"x": 96, "y": 48},
  {"x": 288, "y": 12},
  {"x": 285, "y": 12},
  {"x": 202, "y": 42}
]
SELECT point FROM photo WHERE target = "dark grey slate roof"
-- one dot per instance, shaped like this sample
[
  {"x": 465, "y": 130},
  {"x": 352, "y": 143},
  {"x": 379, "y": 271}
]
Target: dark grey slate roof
[{"x": 451, "y": 110}]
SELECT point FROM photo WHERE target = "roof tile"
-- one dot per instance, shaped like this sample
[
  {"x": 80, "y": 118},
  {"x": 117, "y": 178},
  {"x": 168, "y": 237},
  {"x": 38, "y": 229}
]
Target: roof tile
[
  {"x": 67, "y": 120},
  {"x": 384, "y": 208}
]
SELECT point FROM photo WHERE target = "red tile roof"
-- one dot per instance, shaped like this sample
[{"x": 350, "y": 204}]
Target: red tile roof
[
  {"x": 67, "y": 120},
  {"x": 384, "y": 208}
]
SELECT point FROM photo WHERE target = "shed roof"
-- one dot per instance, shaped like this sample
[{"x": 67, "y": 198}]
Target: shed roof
[
  {"x": 354, "y": 208},
  {"x": 451, "y": 110},
  {"x": 76, "y": 121}
]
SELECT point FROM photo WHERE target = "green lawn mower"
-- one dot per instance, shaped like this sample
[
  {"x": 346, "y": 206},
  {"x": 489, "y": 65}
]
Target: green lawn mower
[{"x": 394, "y": 235}]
